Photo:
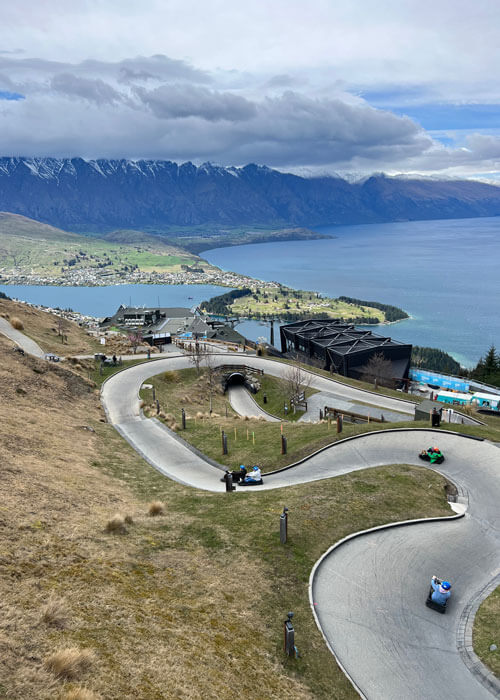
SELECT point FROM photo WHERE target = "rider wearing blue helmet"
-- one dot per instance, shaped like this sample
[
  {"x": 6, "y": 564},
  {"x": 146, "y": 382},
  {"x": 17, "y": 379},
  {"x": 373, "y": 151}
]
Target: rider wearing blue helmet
[{"x": 440, "y": 591}]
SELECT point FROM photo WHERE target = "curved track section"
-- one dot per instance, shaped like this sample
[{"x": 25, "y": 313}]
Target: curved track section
[
  {"x": 20, "y": 339},
  {"x": 243, "y": 403},
  {"x": 368, "y": 593}
]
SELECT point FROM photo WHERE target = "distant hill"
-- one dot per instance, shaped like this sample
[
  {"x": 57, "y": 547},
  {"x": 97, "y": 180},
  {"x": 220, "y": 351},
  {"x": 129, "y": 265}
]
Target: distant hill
[
  {"x": 21, "y": 226},
  {"x": 153, "y": 195},
  {"x": 29, "y": 247}
]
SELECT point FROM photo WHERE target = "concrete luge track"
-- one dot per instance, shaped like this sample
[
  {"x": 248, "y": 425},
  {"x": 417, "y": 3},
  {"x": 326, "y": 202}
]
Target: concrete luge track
[
  {"x": 21, "y": 339},
  {"x": 243, "y": 403},
  {"x": 368, "y": 593}
]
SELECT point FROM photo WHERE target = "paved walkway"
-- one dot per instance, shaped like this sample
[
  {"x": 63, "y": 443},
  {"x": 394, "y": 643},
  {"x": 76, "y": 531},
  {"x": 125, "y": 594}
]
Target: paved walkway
[
  {"x": 21, "y": 339},
  {"x": 327, "y": 398},
  {"x": 369, "y": 593}
]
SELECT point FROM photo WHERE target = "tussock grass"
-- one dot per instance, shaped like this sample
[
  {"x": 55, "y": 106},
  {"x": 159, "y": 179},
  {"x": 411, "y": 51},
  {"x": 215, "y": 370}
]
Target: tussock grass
[
  {"x": 156, "y": 508},
  {"x": 70, "y": 663},
  {"x": 55, "y": 612},
  {"x": 116, "y": 525},
  {"x": 16, "y": 323}
]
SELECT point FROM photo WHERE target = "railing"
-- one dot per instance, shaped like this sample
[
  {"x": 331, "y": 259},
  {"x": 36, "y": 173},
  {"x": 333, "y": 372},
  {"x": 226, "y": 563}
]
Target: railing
[{"x": 335, "y": 412}]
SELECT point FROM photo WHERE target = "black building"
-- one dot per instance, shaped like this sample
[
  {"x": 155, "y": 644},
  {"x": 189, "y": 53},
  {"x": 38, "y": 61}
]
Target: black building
[{"x": 342, "y": 348}]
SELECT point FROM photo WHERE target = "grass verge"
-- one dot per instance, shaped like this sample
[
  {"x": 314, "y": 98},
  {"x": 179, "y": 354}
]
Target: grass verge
[
  {"x": 256, "y": 441},
  {"x": 487, "y": 632},
  {"x": 277, "y": 396}
]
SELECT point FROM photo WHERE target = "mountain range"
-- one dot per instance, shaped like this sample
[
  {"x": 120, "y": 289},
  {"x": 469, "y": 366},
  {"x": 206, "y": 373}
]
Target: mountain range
[{"x": 101, "y": 195}]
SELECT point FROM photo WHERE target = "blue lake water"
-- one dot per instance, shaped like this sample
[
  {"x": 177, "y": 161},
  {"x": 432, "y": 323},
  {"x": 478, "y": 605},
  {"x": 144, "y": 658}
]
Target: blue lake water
[
  {"x": 446, "y": 274},
  {"x": 104, "y": 301}
]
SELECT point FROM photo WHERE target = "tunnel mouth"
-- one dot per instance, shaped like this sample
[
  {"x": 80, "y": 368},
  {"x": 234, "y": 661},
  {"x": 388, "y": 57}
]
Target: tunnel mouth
[{"x": 235, "y": 379}]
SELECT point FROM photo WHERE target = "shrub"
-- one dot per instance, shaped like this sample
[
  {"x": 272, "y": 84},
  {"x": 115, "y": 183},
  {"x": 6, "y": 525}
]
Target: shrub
[
  {"x": 116, "y": 524},
  {"x": 16, "y": 323},
  {"x": 128, "y": 520},
  {"x": 174, "y": 426},
  {"x": 69, "y": 663},
  {"x": 54, "y": 612},
  {"x": 169, "y": 376},
  {"x": 199, "y": 414},
  {"x": 169, "y": 416},
  {"x": 156, "y": 508}
]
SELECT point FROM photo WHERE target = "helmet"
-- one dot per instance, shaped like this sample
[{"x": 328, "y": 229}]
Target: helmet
[
  {"x": 256, "y": 469},
  {"x": 242, "y": 466},
  {"x": 446, "y": 585},
  {"x": 435, "y": 449}
]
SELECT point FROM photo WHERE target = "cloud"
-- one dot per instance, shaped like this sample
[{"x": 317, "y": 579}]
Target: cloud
[
  {"x": 181, "y": 101},
  {"x": 94, "y": 90},
  {"x": 157, "y": 107}
]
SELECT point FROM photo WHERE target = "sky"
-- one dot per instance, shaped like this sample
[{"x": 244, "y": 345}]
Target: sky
[{"x": 325, "y": 86}]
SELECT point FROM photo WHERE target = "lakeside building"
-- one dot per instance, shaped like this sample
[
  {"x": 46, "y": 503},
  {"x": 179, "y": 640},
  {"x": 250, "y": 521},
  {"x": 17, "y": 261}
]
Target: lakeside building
[
  {"x": 160, "y": 325},
  {"x": 342, "y": 348}
]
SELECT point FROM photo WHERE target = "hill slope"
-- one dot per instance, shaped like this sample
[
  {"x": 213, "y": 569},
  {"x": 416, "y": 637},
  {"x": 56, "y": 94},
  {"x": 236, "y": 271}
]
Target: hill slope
[
  {"x": 34, "y": 248},
  {"x": 101, "y": 195}
]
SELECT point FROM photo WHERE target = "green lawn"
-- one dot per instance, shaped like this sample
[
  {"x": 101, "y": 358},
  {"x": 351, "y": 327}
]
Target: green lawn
[
  {"x": 487, "y": 632},
  {"x": 276, "y": 393}
]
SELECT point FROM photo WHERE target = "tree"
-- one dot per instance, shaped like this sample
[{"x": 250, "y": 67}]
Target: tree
[
  {"x": 62, "y": 328},
  {"x": 295, "y": 379},
  {"x": 135, "y": 339},
  {"x": 211, "y": 375},
  {"x": 378, "y": 370},
  {"x": 198, "y": 354}
]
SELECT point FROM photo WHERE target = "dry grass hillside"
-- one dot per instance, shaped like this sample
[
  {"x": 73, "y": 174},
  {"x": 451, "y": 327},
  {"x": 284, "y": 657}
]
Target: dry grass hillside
[
  {"x": 44, "y": 329},
  {"x": 107, "y": 611}
]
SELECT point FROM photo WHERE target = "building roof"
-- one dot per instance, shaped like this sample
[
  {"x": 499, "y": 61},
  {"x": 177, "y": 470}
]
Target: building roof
[{"x": 339, "y": 337}]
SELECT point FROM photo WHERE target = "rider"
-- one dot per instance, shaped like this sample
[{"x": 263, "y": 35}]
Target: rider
[
  {"x": 254, "y": 477},
  {"x": 440, "y": 591}
]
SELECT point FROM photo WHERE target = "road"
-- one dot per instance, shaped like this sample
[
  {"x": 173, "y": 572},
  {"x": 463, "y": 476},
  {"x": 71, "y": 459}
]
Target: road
[{"x": 368, "y": 594}]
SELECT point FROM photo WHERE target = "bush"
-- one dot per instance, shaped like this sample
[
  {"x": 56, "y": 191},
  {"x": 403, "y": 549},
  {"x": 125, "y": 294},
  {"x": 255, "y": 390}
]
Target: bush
[
  {"x": 16, "y": 323},
  {"x": 69, "y": 663},
  {"x": 156, "y": 508},
  {"x": 116, "y": 524}
]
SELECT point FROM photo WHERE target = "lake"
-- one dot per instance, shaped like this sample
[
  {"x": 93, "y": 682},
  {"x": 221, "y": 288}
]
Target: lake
[
  {"x": 444, "y": 273},
  {"x": 104, "y": 301}
]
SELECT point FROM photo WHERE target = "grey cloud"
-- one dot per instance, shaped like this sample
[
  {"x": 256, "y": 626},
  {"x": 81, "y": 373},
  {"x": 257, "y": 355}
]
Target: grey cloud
[
  {"x": 158, "y": 67},
  {"x": 181, "y": 101},
  {"x": 94, "y": 90},
  {"x": 283, "y": 81}
]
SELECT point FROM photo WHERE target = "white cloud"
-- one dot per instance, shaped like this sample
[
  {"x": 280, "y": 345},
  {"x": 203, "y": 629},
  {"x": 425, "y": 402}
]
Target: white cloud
[{"x": 280, "y": 82}]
